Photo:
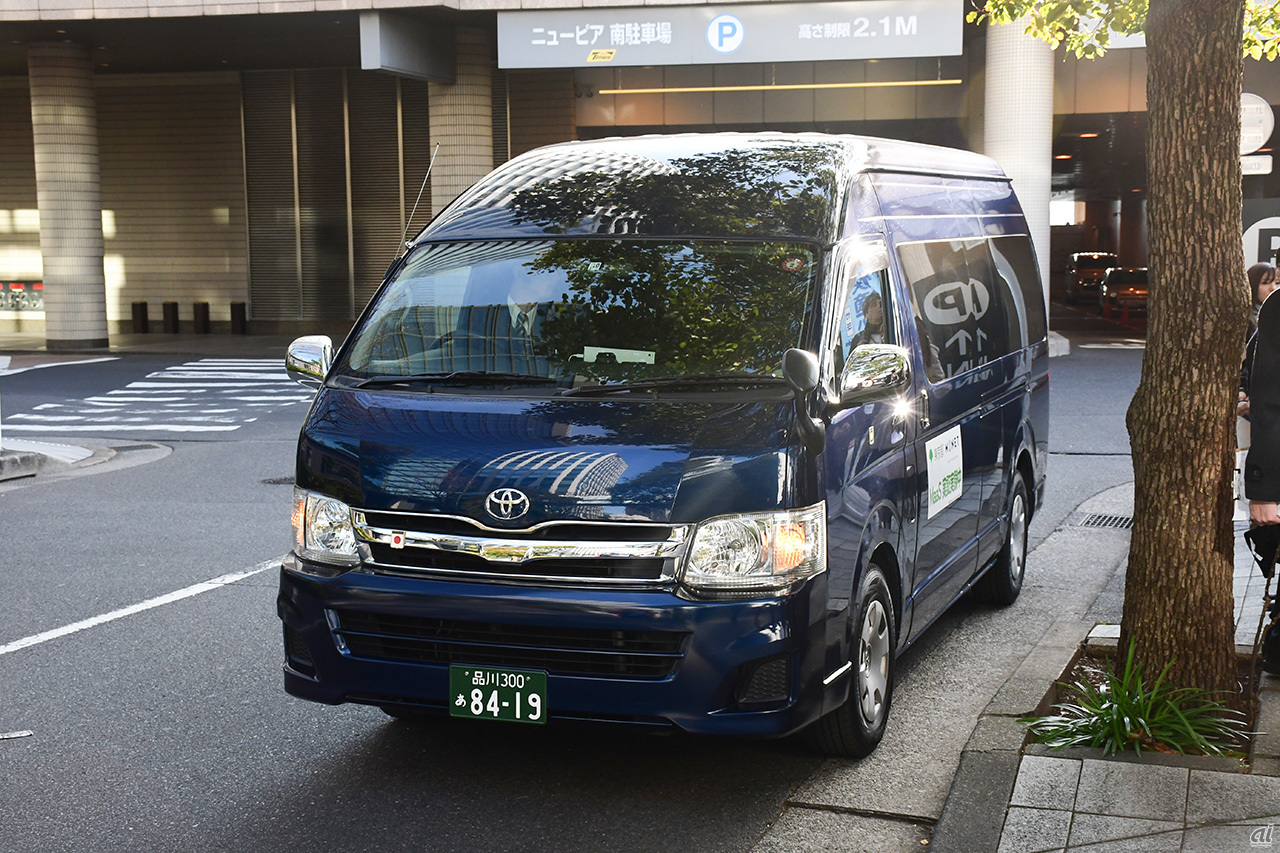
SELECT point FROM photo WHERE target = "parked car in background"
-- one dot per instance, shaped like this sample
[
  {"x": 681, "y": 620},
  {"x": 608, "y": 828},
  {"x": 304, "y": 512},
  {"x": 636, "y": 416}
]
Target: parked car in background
[
  {"x": 1123, "y": 287},
  {"x": 1085, "y": 271}
]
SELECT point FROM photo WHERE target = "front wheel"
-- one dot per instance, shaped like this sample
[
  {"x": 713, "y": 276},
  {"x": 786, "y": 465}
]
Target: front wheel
[
  {"x": 855, "y": 728},
  {"x": 1003, "y": 581}
]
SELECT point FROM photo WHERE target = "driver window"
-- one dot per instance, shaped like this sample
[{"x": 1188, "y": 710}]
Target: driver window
[{"x": 866, "y": 315}]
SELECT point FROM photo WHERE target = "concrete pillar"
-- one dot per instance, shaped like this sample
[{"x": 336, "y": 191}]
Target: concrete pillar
[
  {"x": 64, "y": 120},
  {"x": 1018, "y": 125},
  {"x": 1102, "y": 225},
  {"x": 1133, "y": 230},
  {"x": 462, "y": 119}
]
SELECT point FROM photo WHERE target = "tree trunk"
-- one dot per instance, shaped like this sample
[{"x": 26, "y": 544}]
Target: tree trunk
[{"x": 1178, "y": 591}]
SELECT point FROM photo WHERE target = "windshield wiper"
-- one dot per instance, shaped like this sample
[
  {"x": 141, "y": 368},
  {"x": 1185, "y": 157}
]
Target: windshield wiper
[
  {"x": 698, "y": 380},
  {"x": 458, "y": 376}
]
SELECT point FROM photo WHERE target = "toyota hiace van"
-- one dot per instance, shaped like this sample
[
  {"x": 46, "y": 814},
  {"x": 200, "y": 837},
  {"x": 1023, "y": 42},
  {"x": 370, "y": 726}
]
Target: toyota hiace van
[{"x": 691, "y": 432}]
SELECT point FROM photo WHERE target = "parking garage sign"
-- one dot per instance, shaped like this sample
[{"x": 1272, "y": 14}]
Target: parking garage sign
[{"x": 767, "y": 32}]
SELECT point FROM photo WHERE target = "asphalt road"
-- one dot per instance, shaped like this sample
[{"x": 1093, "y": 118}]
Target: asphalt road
[{"x": 167, "y": 728}]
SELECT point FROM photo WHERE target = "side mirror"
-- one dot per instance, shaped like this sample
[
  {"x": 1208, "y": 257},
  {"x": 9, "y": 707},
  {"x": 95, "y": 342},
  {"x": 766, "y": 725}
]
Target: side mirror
[
  {"x": 875, "y": 371},
  {"x": 800, "y": 370},
  {"x": 308, "y": 358}
]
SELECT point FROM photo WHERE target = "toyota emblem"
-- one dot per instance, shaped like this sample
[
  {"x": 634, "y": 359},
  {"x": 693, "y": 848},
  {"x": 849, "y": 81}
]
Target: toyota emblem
[{"x": 506, "y": 504}]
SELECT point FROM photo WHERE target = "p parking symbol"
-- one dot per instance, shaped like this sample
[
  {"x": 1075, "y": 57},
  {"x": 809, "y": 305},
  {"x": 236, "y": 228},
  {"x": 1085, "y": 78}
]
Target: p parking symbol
[{"x": 725, "y": 34}]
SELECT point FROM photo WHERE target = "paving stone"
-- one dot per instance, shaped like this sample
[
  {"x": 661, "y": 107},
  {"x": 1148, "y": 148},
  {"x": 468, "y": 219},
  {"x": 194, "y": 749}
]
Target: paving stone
[
  {"x": 1034, "y": 830},
  {"x": 1046, "y": 783},
  {"x": 1164, "y": 843},
  {"x": 1266, "y": 743},
  {"x": 1266, "y": 767},
  {"x": 1132, "y": 790},
  {"x": 1233, "y": 798},
  {"x": 1216, "y": 839},
  {"x": 1124, "y": 833}
]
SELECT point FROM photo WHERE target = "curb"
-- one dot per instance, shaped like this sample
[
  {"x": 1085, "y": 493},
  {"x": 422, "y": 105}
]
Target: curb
[
  {"x": 973, "y": 815},
  {"x": 19, "y": 463}
]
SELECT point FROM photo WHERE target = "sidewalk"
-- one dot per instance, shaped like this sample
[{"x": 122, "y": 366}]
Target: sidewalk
[
  {"x": 1080, "y": 800},
  {"x": 206, "y": 346}
]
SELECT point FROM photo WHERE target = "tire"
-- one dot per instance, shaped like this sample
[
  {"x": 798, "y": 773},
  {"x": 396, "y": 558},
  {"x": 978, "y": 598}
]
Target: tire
[
  {"x": 855, "y": 728},
  {"x": 1003, "y": 581}
]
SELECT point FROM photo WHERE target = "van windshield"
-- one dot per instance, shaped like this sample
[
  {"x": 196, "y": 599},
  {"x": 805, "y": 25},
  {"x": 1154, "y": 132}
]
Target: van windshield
[{"x": 574, "y": 312}]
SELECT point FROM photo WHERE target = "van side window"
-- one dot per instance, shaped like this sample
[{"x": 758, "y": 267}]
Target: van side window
[
  {"x": 953, "y": 305},
  {"x": 999, "y": 330},
  {"x": 1016, "y": 262},
  {"x": 866, "y": 315}
]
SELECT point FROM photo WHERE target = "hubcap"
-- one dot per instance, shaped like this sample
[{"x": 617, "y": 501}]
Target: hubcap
[
  {"x": 873, "y": 662},
  {"x": 1017, "y": 538}
]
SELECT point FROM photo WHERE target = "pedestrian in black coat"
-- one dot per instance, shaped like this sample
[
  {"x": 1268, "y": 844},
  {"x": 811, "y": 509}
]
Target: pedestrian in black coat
[{"x": 1262, "y": 465}]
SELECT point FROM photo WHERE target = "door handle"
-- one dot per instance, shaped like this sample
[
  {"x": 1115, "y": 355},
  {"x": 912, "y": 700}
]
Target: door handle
[{"x": 924, "y": 409}]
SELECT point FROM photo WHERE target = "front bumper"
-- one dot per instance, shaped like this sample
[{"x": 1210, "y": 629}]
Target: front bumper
[{"x": 643, "y": 657}]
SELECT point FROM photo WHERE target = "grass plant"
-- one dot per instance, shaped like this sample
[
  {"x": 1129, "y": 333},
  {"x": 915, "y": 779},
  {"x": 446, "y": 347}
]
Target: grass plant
[{"x": 1120, "y": 712}]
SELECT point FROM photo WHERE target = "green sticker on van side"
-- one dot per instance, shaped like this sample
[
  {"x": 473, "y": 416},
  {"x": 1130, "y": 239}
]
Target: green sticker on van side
[{"x": 945, "y": 465}]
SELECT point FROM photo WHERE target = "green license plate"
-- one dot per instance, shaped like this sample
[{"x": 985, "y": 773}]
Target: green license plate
[{"x": 490, "y": 693}]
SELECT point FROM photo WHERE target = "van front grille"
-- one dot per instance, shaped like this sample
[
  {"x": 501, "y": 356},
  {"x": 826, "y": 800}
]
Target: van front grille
[
  {"x": 390, "y": 559},
  {"x": 648, "y": 655},
  {"x": 634, "y": 553}
]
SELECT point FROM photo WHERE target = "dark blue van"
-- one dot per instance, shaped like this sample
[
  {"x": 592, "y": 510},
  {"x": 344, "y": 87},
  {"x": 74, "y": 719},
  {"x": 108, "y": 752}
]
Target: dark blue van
[{"x": 690, "y": 432}]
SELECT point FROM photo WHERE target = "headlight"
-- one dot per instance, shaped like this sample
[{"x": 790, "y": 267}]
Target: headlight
[
  {"x": 322, "y": 529},
  {"x": 765, "y": 551}
]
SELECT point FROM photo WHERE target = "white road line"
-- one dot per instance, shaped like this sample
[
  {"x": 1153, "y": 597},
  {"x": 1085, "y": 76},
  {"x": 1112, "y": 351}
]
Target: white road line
[
  {"x": 206, "y": 385},
  {"x": 149, "y": 604},
  {"x": 46, "y": 417},
  {"x": 113, "y": 428},
  {"x": 221, "y": 374},
  {"x": 271, "y": 399},
  {"x": 58, "y": 364}
]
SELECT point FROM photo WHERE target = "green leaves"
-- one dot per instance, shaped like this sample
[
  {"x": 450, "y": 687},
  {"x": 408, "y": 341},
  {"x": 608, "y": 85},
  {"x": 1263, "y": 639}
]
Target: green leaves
[
  {"x": 1261, "y": 30},
  {"x": 1121, "y": 713},
  {"x": 1085, "y": 26}
]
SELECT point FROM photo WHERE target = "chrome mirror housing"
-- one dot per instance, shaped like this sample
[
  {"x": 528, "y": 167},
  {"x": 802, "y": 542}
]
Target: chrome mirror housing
[
  {"x": 308, "y": 358},
  {"x": 875, "y": 371}
]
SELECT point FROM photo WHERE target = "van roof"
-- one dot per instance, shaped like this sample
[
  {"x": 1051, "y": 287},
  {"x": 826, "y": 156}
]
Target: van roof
[{"x": 774, "y": 185}]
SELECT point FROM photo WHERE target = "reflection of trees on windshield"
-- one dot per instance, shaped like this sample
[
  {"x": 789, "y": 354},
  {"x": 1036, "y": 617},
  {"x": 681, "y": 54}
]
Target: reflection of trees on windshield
[
  {"x": 762, "y": 191},
  {"x": 700, "y": 307}
]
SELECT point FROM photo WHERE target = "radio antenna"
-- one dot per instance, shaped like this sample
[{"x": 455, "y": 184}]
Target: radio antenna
[{"x": 425, "y": 178}]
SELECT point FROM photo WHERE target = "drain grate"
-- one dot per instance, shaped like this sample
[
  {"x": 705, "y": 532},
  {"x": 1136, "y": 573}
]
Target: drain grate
[
  {"x": 1115, "y": 522},
  {"x": 278, "y": 481}
]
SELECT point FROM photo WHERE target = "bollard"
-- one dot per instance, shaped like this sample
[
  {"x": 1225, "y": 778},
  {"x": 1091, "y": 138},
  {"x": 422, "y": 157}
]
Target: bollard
[
  {"x": 200, "y": 317},
  {"x": 139, "y": 318},
  {"x": 171, "y": 318},
  {"x": 239, "y": 319}
]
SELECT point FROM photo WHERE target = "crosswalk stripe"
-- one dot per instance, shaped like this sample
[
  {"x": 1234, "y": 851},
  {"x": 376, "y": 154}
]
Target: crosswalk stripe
[
  {"x": 209, "y": 395},
  {"x": 119, "y": 427}
]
